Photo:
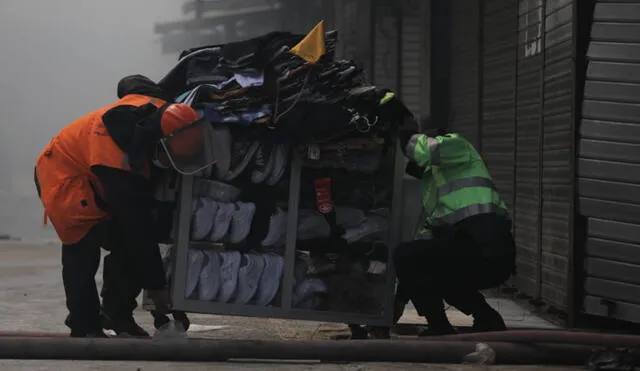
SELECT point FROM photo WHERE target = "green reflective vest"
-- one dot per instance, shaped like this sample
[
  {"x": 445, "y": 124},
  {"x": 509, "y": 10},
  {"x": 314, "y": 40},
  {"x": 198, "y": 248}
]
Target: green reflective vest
[{"x": 456, "y": 183}]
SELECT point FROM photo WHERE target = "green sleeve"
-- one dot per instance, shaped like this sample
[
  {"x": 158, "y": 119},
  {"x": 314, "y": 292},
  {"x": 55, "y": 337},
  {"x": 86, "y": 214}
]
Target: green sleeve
[{"x": 443, "y": 151}]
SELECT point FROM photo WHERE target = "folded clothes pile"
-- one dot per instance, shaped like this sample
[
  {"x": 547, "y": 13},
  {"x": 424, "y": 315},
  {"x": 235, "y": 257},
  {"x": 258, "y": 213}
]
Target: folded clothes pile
[{"x": 260, "y": 83}]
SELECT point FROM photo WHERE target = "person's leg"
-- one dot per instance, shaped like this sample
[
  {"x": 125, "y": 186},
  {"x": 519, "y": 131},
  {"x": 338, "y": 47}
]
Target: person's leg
[
  {"x": 120, "y": 290},
  {"x": 80, "y": 263},
  {"x": 481, "y": 267},
  {"x": 418, "y": 266},
  {"x": 399, "y": 303}
]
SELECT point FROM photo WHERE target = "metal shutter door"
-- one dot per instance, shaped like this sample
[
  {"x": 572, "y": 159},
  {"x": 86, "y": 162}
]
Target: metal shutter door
[
  {"x": 464, "y": 87},
  {"x": 412, "y": 55},
  {"x": 385, "y": 45},
  {"x": 528, "y": 127},
  {"x": 500, "y": 39},
  {"x": 557, "y": 152},
  {"x": 609, "y": 162}
]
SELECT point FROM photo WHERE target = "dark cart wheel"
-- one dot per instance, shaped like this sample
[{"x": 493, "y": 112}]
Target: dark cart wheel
[
  {"x": 377, "y": 332},
  {"x": 358, "y": 332}
]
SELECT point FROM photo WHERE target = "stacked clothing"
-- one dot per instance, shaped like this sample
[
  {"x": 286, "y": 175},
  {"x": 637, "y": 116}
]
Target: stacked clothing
[
  {"x": 259, "y": 84},
  {"x": 265, "y": 102}
]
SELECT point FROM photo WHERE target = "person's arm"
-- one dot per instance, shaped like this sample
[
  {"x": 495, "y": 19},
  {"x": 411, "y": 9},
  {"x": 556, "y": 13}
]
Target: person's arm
[
  {"x": 129, "y": 201},
  {"x": 443, "y": 151}
]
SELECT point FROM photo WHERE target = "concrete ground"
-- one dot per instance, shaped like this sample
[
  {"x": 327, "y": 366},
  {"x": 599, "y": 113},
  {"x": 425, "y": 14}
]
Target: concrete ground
[{"x": 32, "y": 299}]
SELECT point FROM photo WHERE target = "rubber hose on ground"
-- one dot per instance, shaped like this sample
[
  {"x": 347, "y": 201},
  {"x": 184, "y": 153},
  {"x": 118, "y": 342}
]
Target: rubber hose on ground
[
  {"x": 553, "y": 336},
  {"x": 196, "y": 350}
]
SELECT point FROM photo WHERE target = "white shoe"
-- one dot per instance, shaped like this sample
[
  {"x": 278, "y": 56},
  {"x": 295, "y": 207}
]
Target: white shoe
[
  {"x": 228, "y": 275},
  {"x": 271, "y": 279},
  {"x": 203, "y": 218},
  {"x": 222, "y": 221},
  {"x": 209, "y": 283},
  {"x": 249, "y": 277},
  {"x": 277, "y": 228},
  {"x": 241, "y": 222},
  {"x": 195, "y": 260}
]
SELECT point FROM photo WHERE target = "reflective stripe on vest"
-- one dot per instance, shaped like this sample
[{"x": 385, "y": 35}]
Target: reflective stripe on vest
[
  {"x": 471, "y": 210},
  {"x": 432, "y": 144},
  {"x": 458, "y": 184}
]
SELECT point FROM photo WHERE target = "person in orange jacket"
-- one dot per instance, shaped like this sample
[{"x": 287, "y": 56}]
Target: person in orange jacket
[{"x": 94, "y": 181}]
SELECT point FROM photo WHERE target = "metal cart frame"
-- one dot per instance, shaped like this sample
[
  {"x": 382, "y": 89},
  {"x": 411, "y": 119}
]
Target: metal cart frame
[{"x": 285, "y": 310}]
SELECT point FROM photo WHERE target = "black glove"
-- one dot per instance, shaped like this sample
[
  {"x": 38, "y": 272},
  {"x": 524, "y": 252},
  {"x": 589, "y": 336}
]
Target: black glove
[{"x": 414, "y": 170}]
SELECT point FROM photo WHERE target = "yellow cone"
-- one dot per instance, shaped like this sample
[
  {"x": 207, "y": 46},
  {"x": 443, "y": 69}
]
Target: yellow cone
[{"x": 311, "y": 48}]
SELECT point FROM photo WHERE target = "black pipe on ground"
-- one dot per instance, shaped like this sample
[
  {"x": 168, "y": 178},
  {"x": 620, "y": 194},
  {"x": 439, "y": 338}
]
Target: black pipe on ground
[
  {"x": 196, "y": 350},
  {"x": 24, "y": 334},
  {"x": 555, "y": 336}
]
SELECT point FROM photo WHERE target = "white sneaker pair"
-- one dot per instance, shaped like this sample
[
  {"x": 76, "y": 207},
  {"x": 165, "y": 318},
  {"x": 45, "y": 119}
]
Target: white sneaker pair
[
  {"x": 229, "y": 276},
  {"x": 221, "y": 221}
]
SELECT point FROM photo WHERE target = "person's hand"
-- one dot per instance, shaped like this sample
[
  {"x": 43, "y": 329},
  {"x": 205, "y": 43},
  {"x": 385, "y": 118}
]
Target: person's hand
[{"x": 161, "y": 299}]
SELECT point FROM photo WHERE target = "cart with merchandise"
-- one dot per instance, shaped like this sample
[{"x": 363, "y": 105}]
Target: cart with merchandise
[{"x": 294, "y": 205}]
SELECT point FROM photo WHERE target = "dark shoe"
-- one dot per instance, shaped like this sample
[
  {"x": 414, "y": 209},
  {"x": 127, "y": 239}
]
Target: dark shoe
[
  {"x": 183, "y": 319},
  {"x": 98, "y": 333},
  {"x": 127, "y": 327},
  {"x": 488, "y": 320}
]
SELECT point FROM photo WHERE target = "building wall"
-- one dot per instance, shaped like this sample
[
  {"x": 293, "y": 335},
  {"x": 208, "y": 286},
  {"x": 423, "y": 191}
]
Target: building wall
[
  {"x": 511, "y": 95},
  {"x": 609, "y": 163}
]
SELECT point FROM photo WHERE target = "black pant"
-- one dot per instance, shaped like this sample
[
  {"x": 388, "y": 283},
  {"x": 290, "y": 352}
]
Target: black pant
[
  {"x": 476, "y": 254},
  {"x": 80, "y": 263}
]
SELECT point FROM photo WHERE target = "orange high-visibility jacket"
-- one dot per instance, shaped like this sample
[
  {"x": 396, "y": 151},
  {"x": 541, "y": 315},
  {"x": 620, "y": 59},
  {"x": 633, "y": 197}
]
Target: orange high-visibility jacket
[{"x": 67, "y": 186}]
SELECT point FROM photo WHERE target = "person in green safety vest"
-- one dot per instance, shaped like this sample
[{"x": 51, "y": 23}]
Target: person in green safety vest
[{"x": 465, "y": 244}]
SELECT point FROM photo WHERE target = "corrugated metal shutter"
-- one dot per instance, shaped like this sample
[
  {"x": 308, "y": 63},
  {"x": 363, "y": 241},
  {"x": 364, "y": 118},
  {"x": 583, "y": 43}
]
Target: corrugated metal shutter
[
  {"x": 609, "y": 163},
  {"x": 528, "y": 144},
  {"x": 412, "y": 54},
  {"x": 353, "y": 21},
  {"x": 386, "y": 38},
  {"x": 557, "y": 156},
  {"x": 499, "y": 56},
  {"x": 464, "y": 81}
]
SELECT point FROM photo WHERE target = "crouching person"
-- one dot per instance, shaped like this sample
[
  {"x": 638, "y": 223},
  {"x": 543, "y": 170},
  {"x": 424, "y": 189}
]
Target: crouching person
[
  {"x": 466, "y": 243},
  {"x": 93, "y": 179}
]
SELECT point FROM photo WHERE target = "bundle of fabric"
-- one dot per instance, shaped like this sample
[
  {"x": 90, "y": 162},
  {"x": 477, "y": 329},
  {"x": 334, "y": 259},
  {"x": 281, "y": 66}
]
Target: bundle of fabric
[{"x": 287, "y": 83}]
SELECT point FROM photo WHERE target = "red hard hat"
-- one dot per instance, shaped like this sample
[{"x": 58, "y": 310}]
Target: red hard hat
[{"x": 176, "y": 117}]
